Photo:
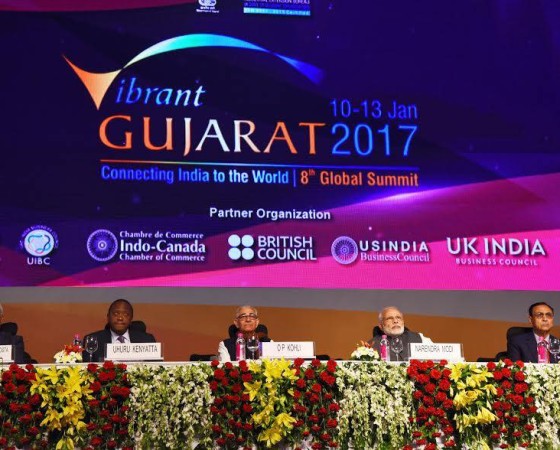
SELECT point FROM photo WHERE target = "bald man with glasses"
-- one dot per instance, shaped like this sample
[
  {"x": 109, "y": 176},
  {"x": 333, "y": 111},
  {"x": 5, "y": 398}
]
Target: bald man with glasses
[
  {"x": 246, "y": 321},
  {"x": 525, "y": 347}
]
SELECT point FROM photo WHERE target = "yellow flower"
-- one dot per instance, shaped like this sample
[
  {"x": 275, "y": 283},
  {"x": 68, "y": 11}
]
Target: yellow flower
[
  {"x": 270, "y": 436},
  {"x": 252, "y": 389},
  {"x": 457, "y": 371},
  {"x": 485, "y": 416},
  {"x": 284, "y": 420}
]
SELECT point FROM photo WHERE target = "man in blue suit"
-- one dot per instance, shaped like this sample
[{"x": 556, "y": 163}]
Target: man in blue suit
[{"x": 524, "y": 346}]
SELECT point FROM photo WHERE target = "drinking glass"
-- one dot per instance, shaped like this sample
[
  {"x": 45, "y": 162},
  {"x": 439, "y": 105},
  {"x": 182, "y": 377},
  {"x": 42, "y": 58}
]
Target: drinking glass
[
  {"x": 253, "y": 345},
  {"x": 90, "y": 344},
  {"x": 554, "y": 348},
  {"x": 396, "y": 346}
]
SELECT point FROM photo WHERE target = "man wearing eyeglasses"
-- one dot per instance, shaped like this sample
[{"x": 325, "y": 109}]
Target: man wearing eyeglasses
[
  {"x": 391, "y": 323},
  {"x": 525, "y": 347},
  {"x": 246, "y": 321}
]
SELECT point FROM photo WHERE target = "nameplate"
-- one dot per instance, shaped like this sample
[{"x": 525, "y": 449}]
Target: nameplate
[
  {"x": 289, "y": 350},
  {"x": 148, "y": 351},
  {"x": 6, "y": 353},
  {"x": 437, "y": 352}
]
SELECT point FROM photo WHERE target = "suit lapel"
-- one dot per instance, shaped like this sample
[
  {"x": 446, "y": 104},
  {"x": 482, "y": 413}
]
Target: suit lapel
[{"x": 531, "y": 345}]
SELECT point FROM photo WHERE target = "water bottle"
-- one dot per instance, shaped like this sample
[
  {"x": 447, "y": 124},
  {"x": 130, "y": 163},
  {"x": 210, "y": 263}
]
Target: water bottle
[
  {"x": 77, "y": 341},
  {"x": 384, "y": 348},
  {"x": 239, "y": 347}
]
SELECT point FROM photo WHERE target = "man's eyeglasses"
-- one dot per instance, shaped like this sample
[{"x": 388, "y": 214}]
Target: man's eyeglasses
[
  {"x": 548, "y": 315},
  {"x": 247, "y": 317}
]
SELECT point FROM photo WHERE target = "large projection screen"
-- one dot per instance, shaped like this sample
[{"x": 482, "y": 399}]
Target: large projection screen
[{"x": 317, "y": 155}]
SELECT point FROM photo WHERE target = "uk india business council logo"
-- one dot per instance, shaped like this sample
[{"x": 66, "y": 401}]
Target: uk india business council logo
[
  {"x": 102, "y": 245},
  {"x": 39, "y": 242}
]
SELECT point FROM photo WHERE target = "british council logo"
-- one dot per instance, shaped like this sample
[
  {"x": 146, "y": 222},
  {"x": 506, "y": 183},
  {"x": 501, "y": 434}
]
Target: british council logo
[
  {"x": 102, "y": 245},
  {"x": 39, "y": 240},
  {"x": 344, "y": 250},
  {"x": 240, "y": 247}
]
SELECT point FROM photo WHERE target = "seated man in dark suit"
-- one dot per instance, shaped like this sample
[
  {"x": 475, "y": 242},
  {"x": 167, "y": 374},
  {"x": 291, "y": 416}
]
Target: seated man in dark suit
[
  {"x": 9, "y": 337},
  {"x": 524, "y": 346},
  {"x": 391, "y": 323},
  {"x": 119, "y": 318}
]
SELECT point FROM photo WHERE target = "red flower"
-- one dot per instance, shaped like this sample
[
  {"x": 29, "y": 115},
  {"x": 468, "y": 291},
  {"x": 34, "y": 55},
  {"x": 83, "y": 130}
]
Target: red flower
[
  {"x": 435, "y": 374},
  {"x": 215, "y": 363},
  {"x": 108, "y": 365},
  {"x": 519, "y": 376},
  {"x": 247, "y": 377}
]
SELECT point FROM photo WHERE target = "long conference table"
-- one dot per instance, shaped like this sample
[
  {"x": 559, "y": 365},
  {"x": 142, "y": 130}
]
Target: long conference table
[{"x": 280, "y": 404}]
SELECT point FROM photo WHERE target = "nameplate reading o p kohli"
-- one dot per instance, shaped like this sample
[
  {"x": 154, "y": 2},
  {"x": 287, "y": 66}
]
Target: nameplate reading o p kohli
[
  {"x": 437, "y": 352},
  {"x": 6, "y": 353},
  {"x": 290, "y": 350},
  {"x": 149, "y": 351}
]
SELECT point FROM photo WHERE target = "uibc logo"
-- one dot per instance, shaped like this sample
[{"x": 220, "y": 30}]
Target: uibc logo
[
  {"x": 490, "y": 251},
  {"x": 39, "y": 242},
  {"x": 271, "y": 248},
  {"x": 346, "y": 250}
]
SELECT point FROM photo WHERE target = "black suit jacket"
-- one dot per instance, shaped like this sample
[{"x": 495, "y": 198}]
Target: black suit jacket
[
  {"x": 524, "y": 347},
  {"x": 17, "y": 343},
  {"x": 104, "y": 338}
]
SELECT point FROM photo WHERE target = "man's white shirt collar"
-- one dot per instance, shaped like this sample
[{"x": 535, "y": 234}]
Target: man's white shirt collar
[{"x": 114, "y": 337}]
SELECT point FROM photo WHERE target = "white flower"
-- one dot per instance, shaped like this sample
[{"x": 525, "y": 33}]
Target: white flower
[
  {"x": 72, "y": 357},
  {"x": 364, "y": 353}
]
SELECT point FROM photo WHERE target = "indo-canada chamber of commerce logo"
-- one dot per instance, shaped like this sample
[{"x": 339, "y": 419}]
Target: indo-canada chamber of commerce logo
[
  {"x": 102, "y": 245},
  {"x": 145, "y": 245},
  {"x": 271, "y": 248},
  {"x": 345, "y": 250},
  {"x": 39, "y": 241}
]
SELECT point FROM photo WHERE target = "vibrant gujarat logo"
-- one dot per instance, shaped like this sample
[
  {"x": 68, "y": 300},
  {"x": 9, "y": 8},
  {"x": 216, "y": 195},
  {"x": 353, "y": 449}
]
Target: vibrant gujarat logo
[
  {"x": 97, "y": 84},
  {"x": 241, "y": 247},
  {"x": 344, "y": 250}
]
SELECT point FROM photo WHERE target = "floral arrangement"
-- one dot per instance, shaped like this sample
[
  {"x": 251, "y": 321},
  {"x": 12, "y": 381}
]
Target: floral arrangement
[
  {"x": 365, "y": 352},
  {"x": 264, "y": 403},
  {"x": 375, "y": 405},
  {"x": 513, "y": 405},
  {"x": 544, "y": 387},
  {"x": 64, "y": 392},
  {"x": 434, "y": 409},
  {"x": 21, "y": 415},
  {"x": 170, "y": 406},
  {"x": 108, "y": 408},
  {"x": 426, "y": 405},
  {"x": 473, "y": 391},
  {"x": 232, "y": 410},
  {"x": 69, "y": 354},
  {"x": 315, "y": 407},
  {"x": 269, "y": 390}
]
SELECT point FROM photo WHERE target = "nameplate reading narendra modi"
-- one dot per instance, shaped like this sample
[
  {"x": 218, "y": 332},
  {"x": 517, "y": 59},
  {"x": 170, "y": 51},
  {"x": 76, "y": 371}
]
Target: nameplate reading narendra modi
[
  {"x": 149, "y": 351},
  {"x": 436, "y": 352}
]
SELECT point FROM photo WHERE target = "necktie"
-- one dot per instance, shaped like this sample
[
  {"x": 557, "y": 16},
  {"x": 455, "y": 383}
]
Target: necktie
[
  {"x": 120, "y": 339},
  {"x": 542, "y": 350}
]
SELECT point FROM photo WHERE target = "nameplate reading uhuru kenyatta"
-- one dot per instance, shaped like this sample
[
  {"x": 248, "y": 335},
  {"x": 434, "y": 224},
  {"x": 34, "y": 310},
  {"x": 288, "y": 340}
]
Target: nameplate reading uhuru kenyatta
[
  {"x": 437, "y": 352},
  {"x": 289, "y": 350},
  {"x": 6, "y": 353},
  {"x": 149, "y": 351}
]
